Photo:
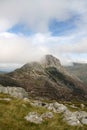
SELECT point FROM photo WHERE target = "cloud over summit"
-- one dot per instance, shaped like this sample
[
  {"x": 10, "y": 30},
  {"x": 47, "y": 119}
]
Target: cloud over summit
[{"x": 26, "y": 32}]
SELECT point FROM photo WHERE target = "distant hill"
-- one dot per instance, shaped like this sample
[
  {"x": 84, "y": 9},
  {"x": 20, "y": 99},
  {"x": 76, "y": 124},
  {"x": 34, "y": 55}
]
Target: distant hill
[
  {"x": 79, "y": 70},
  {"x": 3, "y": 72},
  {"x": 46, "y": 79}
]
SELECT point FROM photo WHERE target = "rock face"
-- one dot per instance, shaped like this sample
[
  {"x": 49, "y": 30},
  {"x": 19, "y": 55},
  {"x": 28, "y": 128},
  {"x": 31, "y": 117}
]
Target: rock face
[
  {"x": 50, "y": 61},
  {"x": 14, "y": 91},
  {"x": 56, "y": 107},
  {"x": 34, "y": 117},
  {"x": 46, "y": 79},
  {"x": 75, "y": 118},
  {"x": 37, "y": 118}
]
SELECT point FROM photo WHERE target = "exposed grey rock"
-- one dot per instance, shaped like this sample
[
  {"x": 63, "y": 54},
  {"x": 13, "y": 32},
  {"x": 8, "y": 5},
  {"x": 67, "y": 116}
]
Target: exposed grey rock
[
  {"x": 34, "y": 117},
  {"x": 50, "y": 61},
  {"x": 37, "y": 118},
  {"x": 75, "y": 118},
  {"x": 59, "y": 107},
  {"x": 17, "y": 92},
  {"x": 84, "y": 121},
  {"x": 82, "y": 116},
  {"x": 56, "y": 107},
  {"x": 71, "y": 118},
  {"x": 47, "y": 115},
  {"x": 50, "y": 107}
]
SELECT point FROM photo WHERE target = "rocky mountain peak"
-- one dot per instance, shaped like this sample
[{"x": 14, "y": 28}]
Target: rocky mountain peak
[
  {"x": 46, "y": 79},
  {"x": 45, "y": 62},
  {"x": 50, "y": 61}
]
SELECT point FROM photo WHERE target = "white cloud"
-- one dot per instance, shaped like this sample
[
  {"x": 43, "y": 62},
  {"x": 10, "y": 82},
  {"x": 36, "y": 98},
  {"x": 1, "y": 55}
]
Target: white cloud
[
  {"x": 17, "y": 49},
  {"x": 37, "y": 14}
]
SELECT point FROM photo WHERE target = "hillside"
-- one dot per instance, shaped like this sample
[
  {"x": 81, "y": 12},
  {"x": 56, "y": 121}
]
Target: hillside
[
  {"x": 15, "y": 114},
  {"x": 79, "y": 70},
  {"x": 46, "y": 79}
]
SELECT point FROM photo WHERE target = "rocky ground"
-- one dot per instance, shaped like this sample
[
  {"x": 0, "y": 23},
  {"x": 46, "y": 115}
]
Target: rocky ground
[
  {"x": 76, "y": 118},
  {"x": 28, "y": 114},
  {"x": 38, "y": 98}
]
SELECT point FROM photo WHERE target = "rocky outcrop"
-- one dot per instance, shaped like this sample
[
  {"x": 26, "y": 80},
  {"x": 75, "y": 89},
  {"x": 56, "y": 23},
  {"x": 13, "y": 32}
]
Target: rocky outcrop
[
  {"x": 34, "y": 117},
  {"x": 50, "y": 61},
  {"x": 37, "y": 118},
  {"x": 56, "y": 107},
  {"x": 75, "y": 118},
  {"x": 14, "y": 91}
]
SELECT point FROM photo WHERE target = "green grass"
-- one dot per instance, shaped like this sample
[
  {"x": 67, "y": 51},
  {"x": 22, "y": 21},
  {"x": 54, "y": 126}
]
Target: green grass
[{"x": 12, "y": 115}]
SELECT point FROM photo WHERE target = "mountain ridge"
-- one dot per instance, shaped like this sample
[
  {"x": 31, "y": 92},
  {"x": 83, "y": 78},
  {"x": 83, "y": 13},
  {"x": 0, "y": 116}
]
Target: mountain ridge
[
  {"x": 48, "y": 79},
  {"x": 79, "y": 70}
]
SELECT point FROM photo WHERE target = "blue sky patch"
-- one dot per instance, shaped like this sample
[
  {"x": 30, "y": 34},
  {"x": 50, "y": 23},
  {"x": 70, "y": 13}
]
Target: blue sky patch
[
  {"x": 59, "y": 28},
  {"x": 20, "y": 28}
]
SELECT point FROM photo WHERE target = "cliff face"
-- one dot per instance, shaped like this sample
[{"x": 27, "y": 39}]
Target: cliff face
[{"x": 47, "y": 79}]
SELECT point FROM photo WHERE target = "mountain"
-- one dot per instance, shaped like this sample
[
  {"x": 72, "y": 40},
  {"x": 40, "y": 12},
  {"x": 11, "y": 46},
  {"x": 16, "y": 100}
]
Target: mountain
[
  {"x": 46, "y": 79},
  {"x": 79, "y": 70}
]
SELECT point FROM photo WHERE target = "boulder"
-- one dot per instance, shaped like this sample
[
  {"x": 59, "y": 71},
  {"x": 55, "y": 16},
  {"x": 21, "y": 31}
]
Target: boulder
[
  {"x": 34, "y": 118},
  {"x": 17, "y": 92},
  {"x": 56, "y": 107},
  {"x": 82, "y": 116},
  {"x": 75, "y": 118},
  {"x": 71, "y": 118},
  {"x": 84, "y": 121}
]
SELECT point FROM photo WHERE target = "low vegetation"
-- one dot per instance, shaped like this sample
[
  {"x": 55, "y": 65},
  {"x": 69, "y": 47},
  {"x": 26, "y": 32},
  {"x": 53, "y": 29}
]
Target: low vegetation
[{"x": 12, "y": 115}]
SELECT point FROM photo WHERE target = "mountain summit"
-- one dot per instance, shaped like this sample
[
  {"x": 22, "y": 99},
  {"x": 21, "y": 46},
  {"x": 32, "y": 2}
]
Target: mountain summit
[
  {"x": 50, "y": 61},
  {"x": 46, "y": 79}
]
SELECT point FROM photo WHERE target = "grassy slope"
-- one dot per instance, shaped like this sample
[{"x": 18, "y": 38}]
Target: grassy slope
[{"x": 12, "y": 117}]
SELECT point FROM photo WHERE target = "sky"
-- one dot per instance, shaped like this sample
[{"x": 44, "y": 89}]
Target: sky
[{"x": 30, "y": 29}]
